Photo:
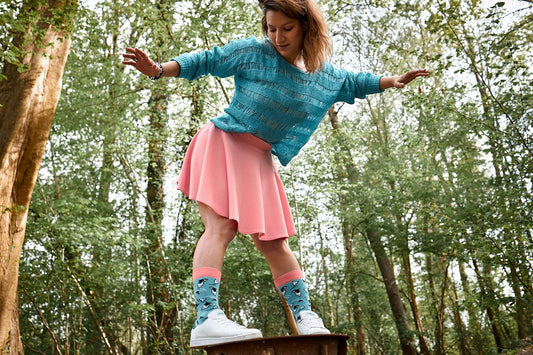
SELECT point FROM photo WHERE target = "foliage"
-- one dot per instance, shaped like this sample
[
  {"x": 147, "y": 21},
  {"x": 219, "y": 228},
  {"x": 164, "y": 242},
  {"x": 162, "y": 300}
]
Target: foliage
[{"x": 442, "y": 170}]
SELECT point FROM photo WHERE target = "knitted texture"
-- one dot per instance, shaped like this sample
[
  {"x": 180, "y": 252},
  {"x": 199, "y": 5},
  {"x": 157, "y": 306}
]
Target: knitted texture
[{"x": 274, "y": 100}]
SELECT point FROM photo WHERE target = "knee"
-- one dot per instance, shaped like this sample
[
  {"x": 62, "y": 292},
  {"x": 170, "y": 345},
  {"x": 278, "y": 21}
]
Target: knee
[
  {"x": 222, "y": 230},
  {"x": 272, "y": 247},
  {"x": 217, "y": 228}
]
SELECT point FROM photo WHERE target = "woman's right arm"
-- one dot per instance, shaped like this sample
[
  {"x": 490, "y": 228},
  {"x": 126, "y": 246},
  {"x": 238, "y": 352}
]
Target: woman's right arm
[
  {"x": 222, "y": 61},
  {"x": 140, "y": 61},
  {"x": 171, "y": 68}
]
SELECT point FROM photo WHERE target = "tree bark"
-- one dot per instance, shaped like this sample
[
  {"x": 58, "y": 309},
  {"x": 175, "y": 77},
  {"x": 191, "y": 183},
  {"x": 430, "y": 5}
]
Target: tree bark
[
  {"x": 520, "y": 315},
  {"x": 406, "y": 261},
  {"x": 29, "y": 100},
  {"x": 347, "y": 233},
  {"x": 162, "y": 320},
  {"x": 460, "y": 328},
  {"x": 486, "y": 292},
  {"x": 393, "y": 293},
  {"x": 437, "y": 299},
  {"x": 360, "y": 334},
  {"x": 415, "y": 311},
  {"x": 387, "y": 271},
  {"x": 474, "y": 327}
]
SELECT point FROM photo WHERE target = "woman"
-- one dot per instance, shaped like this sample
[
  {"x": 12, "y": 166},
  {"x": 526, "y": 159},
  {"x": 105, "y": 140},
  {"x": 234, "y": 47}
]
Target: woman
[{"x": 284, "y": 86}]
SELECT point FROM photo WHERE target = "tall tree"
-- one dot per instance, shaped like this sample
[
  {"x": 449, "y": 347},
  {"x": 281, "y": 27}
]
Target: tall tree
[
  {"x": 345, "y": 169},
  {"x": 28, "y": 101},
  {"x": 442, "y": 172}
]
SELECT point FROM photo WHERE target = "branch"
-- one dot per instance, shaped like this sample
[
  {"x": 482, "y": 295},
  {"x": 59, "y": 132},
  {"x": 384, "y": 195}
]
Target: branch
[
  {"x": 206, "y": 41},
  {"x": 481, "y": 80},
  {"x": 132, "y": 177},
  {"x": 45, "y": 323},
  {"x": 92, "y": 312},
  {"x": 288, "y": 313},
  {"x": 27, "y": 346}
]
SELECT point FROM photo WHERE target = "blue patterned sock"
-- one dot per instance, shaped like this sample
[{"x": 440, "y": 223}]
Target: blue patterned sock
[
  {"x": 206, "y": 297},
  {"x": 297, "y": 296}
]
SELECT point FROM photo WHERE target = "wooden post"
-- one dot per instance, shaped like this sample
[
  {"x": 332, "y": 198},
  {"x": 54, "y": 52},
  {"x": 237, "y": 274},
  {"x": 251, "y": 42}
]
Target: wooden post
[{"x": 288, "y": 313}]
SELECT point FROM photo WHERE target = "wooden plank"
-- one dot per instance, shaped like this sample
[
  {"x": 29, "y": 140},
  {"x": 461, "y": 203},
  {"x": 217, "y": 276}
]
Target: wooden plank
[{"x": 323, "y": 344}]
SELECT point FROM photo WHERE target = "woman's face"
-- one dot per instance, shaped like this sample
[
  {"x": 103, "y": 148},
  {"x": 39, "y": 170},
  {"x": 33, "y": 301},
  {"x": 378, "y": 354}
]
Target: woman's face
[{"x": 287, "y": 35}]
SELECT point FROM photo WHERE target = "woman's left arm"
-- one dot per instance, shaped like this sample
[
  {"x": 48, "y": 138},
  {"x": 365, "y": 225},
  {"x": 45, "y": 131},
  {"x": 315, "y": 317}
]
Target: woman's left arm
[{"x": 399, "y": 81}]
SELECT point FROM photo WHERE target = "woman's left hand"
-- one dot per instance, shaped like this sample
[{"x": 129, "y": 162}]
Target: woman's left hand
[{"x": 404, "y": 79}]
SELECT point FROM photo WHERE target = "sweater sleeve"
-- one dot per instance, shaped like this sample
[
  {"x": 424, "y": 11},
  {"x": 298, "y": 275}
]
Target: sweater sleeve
[
  {"x": 358, "y": 85},
  {"x": 220, "y": 61}
]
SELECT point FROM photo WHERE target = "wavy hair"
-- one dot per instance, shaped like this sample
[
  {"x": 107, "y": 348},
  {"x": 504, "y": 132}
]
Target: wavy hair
[{"x": 317, "y": 42}]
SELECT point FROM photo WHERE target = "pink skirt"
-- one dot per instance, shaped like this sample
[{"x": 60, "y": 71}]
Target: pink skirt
[{"x": 235, "y": 175}]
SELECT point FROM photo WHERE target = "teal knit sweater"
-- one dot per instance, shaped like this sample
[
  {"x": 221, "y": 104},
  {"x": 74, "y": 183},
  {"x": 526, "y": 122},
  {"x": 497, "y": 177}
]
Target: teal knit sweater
[{"x": 274, "y": 100}]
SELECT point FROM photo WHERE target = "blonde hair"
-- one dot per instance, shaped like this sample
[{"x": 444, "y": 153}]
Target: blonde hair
[{"x": 316, "y": 48}]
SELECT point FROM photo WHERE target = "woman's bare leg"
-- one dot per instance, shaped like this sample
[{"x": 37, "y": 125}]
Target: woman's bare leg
[
  {"x": 278, "y": 255},
  {"x": 288, "y": 277},
  {"x": 212, "y": 326},
  {"x": 219, "y": 232}
]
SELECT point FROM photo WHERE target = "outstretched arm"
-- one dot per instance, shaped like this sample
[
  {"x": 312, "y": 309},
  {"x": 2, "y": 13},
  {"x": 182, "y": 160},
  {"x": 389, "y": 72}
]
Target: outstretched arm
[
  {"x": 399, "y": 81},
  {"x": 140, "y": 61}
]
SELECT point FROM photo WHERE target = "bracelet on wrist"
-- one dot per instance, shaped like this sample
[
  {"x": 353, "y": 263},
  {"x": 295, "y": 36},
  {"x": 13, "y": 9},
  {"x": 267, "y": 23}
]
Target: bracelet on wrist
[{"x": 160, "y": 72}]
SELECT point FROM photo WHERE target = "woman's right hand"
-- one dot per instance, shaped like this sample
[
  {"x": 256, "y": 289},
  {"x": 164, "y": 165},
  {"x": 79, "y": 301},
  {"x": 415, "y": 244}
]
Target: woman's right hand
[{"x": 140, "y": 61}]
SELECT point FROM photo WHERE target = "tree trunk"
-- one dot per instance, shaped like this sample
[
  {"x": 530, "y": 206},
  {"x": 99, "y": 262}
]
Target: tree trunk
[
  {"x": 393, "y": 293},
  {"x": 460, "y": 328},
  {"x": 486, "y": 292},
  {"x": 406, "y": 261},
  {"x": 347, "y": 233},
  {"x": 474, "y": 327},
  {"x": 29, "y": 100},
  {"x": 352, "y": 290},
  {"x": 437, "y": 299},
  {"x": 162, "y": 320},
  {"x": 520, "y": 315},
  {"x": 406, "y": 265}
]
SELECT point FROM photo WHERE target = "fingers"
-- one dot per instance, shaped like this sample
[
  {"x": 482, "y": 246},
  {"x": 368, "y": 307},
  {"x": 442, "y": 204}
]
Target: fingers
[
  {"x": 135, "y": 53},
  {"x": 410, "y": 76},
  {"x": 419, "y": 72},
  {"x": 130, "y": 54},
  {"x": 132, "y": 61},
  {"x": 135, "y": 56},
  {"x": 140, "y": 61},
  {"x": 413, "y": 74},
  {"x": 140, "y": 54}
]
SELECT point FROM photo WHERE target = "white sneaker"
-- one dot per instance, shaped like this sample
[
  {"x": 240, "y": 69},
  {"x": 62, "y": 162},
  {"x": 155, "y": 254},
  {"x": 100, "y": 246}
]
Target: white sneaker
[
  {"x": 309, "y": 322},
  {"x": 218, "y": 329}
]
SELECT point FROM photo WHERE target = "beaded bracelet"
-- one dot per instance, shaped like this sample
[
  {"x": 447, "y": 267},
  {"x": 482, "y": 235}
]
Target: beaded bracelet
[{"x": 160, "y": 72}]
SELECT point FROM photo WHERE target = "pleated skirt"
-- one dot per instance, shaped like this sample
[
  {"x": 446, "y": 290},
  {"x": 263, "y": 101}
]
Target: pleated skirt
[{"x": 235, "y": 175}]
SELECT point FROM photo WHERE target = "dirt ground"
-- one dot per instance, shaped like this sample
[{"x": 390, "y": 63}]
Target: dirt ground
[{"x": 526, "y": 351}]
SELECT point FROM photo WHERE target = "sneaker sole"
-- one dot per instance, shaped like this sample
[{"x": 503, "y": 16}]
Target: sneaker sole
[
  {"x": 200, "y": 343},
  {"x": 317, "y": 332}
]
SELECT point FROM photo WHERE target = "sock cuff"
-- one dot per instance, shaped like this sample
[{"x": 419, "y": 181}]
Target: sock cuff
[
  {"x": 288, "y": 277},
  {"x": 206, "y": 272}
]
